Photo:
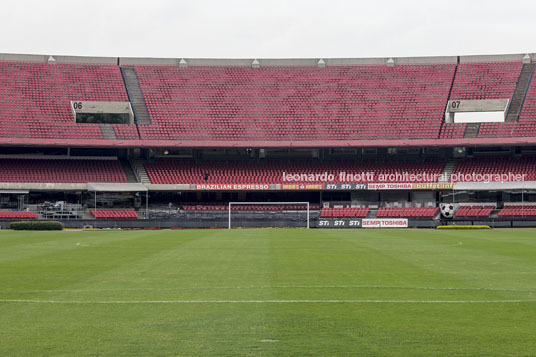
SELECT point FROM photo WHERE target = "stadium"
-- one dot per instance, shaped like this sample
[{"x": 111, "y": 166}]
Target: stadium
[
  {"x": 130, "y": 154},
  {"x": 140, "y": 143}
]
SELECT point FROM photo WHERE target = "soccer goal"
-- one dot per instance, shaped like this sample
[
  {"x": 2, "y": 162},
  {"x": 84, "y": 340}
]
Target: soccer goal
[{"x": 231, "y": 204}]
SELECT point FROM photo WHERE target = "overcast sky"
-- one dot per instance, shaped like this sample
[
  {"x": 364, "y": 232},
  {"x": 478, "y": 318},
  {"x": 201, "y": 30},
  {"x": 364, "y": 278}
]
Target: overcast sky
[{"x": 267, "y": 29}]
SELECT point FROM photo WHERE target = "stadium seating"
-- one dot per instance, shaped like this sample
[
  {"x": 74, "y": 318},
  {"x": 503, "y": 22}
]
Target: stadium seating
[
  {"x": 17, "y": 215},
  {"x": 268, "y": 103},
  {"x": 187, "y": 171},
  {"x": 61, "y": 171},
  {"x": 491, "y": 167},
  {"x": 245, "y": 207},
  {"x": 518, "y": 211},
  {"x": 114, "y": 214},
  {"x": 526, "y": 125},
  {"x": 452, "y": 131},
  {"x": 35, "y": 98},
  {"x": 474, "y": 211},
  {"x": 407, "y": 212},
  {"x": 493, "y": 80},
  {"x": 344, "y": 212},
  {"x": 297, "y": 103},
  {"x": 125, "y": 131}
]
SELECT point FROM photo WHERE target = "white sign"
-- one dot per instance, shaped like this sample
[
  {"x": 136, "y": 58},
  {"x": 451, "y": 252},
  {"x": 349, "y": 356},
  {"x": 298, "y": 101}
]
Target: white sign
[{"x": 384, "y": 223}]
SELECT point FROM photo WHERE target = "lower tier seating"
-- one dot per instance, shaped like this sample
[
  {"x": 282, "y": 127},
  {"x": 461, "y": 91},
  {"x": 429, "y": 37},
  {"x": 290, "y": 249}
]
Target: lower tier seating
[
  {"x": 518, "y": 211},
  {"x": 61, "y": 171},
  {"x": 187, "y": 171},
  {"x": 421, "y": 212},
  {"x": 489, "y": 169},
  {"x": 114, "y": 214},
  {"x": 474, "y": 211},
  {"x": 17, "y": 215},
  {"x": 245, "y": 207},
  {"x": 345, "y": 212}
]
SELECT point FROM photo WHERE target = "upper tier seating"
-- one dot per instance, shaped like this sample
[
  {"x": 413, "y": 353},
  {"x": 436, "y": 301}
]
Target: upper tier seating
[
  {"x": 526, "y": 126},
  {"x": 407, "y": 212},
  {"x": 474, "y": 211},
  {"x": 294, "y": 103},
  {"x": 494, "y": 80},
  {"x": 186, "y": 171},
  {"x": 491, "y": 167},
  {"x": 345, "y": 212},
  {"x": 35, "y": 98},
  {"x": 17, "y": 215},
  {"x": 518, "y": 210},
  {"x": 61, "y": 171},
  {"x": 114, "y": 214}
]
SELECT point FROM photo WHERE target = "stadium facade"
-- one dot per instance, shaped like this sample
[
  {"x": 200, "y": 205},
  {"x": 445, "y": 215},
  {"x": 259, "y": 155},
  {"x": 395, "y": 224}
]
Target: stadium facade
[{"x": 392, "y": 142}]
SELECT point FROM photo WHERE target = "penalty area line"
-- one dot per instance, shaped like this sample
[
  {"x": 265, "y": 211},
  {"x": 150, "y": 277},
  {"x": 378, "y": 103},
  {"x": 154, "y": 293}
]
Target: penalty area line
[{"x": 126, "y": 302}]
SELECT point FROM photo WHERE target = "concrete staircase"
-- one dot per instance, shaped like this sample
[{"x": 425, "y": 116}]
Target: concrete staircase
[
  {"x": 135, "y": 95},
  {"x": 471, "y": 130},
  {"x": 447, "y": 171},
  {"x": 518, "y": 98},
  {"x": 107, "y": 131},
  {"x": 131, "y": 176},
  {"x": 138, "y": 163}
]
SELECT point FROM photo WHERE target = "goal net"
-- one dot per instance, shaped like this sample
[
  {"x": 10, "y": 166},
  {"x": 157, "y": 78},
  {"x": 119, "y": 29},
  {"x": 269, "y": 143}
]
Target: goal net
[{"x": 295, "y": 214}]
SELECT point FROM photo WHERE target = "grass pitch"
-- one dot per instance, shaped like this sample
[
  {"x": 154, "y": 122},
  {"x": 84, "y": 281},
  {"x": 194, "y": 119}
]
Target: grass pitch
[{"x": 268, "y": 292}]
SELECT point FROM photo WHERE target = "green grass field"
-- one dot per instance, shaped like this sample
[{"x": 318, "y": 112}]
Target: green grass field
[{"x": 268, "y": 292}]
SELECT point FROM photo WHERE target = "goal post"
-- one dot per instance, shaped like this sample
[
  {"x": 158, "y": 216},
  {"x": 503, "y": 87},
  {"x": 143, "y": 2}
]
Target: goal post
[{"x": 268, "y": 203}]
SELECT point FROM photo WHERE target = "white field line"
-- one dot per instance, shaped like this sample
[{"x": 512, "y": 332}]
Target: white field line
[
  {"x": 126, "y": 302},
  {"x": 261, "y": 287}
]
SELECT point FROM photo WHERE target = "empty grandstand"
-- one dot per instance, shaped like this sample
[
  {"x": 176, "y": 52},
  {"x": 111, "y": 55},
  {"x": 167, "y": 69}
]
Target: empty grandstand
[{"x": 134, "y": 142}]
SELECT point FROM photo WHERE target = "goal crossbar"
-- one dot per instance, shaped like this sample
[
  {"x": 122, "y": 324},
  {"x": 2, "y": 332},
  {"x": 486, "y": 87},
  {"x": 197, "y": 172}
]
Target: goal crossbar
[{"x": 268, "y": 203}]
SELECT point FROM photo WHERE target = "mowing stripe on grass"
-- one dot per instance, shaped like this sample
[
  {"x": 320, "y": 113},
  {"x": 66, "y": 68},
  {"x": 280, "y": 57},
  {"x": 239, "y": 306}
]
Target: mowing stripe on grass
[
  {"x": 268, "y": 287},
  {"x": 125, "y": 302}
]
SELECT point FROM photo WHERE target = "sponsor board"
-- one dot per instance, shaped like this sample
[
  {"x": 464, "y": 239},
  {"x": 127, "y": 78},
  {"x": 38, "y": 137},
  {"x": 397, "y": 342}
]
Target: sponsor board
[
  {"x": 434, "y": 186},
  {"x": 338, "y": 223},
  {"x": 345, "y": 186},
  {"x": 384, "y": 223},
  {"x": 302, "y": 186},
  {"x": 390, "y": 186},
  {"x": 318, "y": 186},
  {"x": 234, "y": 187}
]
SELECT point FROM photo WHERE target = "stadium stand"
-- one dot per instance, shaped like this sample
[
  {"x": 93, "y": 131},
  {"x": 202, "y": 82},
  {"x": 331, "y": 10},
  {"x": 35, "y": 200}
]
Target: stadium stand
[
  {"x": 452, "y": 131},
  {"x": 416, "y": 212},
  {"x": 35, "y": 97},
  {"x": 187, "y": 171},
  {"x": 301, "y": 103},
  {"x": 244, "y": 207},
  {"x": 114, "y": 214},
  {"x": 17, "y": 215},
  {"x": 493, "y": 80},
  {"x": 474, "y": 211},
  {"x": 518, "y": 211},
  {"x": 345, "y": 212},
  {"x": 491, "y": 167},
  {"x": 61, "y": 171},
  {"x": 206, "y": 132}
]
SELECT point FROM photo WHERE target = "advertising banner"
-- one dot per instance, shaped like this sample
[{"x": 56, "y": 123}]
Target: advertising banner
[
  {"x": 384, "y": 223},
  {"x": 339, "y": 223}
]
